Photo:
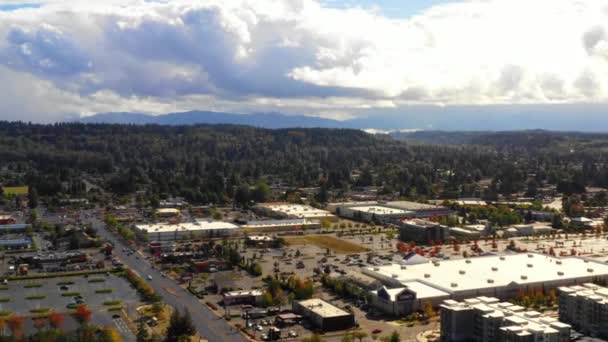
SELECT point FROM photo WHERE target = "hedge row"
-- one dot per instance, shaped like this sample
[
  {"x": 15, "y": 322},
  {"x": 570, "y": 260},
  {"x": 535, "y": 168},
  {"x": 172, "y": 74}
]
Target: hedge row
[{"x": 140, "y": 285}]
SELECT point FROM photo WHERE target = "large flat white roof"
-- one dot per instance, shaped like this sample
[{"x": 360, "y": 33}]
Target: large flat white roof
[
  {"x": 279, "y": 223},
  {"x": 323, "y": 308},
  {"x": 186, "y": 226},
  {"x": 297, "y": 210},
  {"x": 380, "y": 210},
  {"x": 490, "y": 271}
]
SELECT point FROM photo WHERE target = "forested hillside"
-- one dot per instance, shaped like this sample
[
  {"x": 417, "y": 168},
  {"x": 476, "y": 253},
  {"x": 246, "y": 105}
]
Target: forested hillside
[{"x": 210, "y": 163}]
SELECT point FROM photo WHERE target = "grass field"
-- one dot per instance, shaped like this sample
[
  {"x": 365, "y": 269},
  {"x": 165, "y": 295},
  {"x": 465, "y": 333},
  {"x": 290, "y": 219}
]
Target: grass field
[
  {"x": 324, "y": 241},
  {"x": 15, "y": 190}
]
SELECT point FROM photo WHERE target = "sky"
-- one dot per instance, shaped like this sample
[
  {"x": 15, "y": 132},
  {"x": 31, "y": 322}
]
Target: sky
[{"x": 332, "y": 58}]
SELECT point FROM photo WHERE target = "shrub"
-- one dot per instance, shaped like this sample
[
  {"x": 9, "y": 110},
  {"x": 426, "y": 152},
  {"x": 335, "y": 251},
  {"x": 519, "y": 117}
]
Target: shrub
[
  {"x": 5, "y": 313},
  {"x": 104, "y": 291},
  {"x": 4, "y": 299},
  {"x": 96, "y": 280},
  {"x": 70, "y": 294},
  {"x": 112, "y": 302},
  {"x": 3, "y": 288},
  {"x": 35, "y": 297},
  {"x": 40, "y": 310},
  {"x": 31, "y": 286},
  {"x": 115, "y": 308},
  {"x": 140, "y": 285},
  {"x": 67, "y": 282}
]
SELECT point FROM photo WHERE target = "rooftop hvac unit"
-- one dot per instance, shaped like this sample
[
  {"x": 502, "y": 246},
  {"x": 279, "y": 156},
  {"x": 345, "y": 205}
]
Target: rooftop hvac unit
[
  {"x": 530, "y": 255},
  {"x": 426, "y": 275},
  {"x": 558, "y": 262},
  {"x": 462, "y": 272},
  {"x": 454, "y": 284},
  {"x": 524, "y": 277},
  {"x": 585, "y": 260},
  {"x": 490, "y": 281},
  {"x": 376, "y": 269},
  {"x": 590, "y": 270},
  {"x": 395, "y": 276},
  {"x": 560, "y": 273},
  {"x": 436, "y": 263},
  {"x": 502, "y": 258},
  {"x": 530, "y": 265},
  {"x": 468, "y": 261},
  {"x": 494, "y": 268},
  {"x": 403, "y": 267}
]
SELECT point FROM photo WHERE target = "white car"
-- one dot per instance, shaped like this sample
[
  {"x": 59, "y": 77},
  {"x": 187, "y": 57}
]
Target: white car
[
  {"x": 292, "y": 334},
  {"x": 259, "y": 328},
  {"x": 149, "y": 277}
]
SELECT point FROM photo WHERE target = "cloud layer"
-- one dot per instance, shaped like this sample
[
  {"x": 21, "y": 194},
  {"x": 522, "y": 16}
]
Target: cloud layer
[{"x": 296, "y": 56}]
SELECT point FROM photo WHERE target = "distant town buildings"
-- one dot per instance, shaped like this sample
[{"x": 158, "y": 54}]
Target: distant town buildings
[
  {"x": 381, "y": 211},
  {"x": 486, "y": 319},
  {"x": 585, "y": 307}
]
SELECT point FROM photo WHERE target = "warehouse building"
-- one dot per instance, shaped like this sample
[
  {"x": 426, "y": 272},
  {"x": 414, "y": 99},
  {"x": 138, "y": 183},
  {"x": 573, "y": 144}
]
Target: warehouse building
[
  {"x": 486, "y": 319},
  {"x": 373, "y": 213},
  {"x": 289, "y": 210},
  {"x": 323, "y": 315},
  {"x": 387, "y": 211},
  {"x": 187, "y": 230},
  {"x": 494, "y": 276},
  {"x": 585, "y": 308},
  {"x": 421, "y": 210},
  {"x": 16, "y": 242},
  {"x": 423, "y": 231},
  {"x": 281, "y": 225}
]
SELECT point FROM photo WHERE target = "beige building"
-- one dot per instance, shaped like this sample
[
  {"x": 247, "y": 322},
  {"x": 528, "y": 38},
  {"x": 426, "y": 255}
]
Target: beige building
[
  {"x": 486, "y": 319},
  {"x": 585, "y": 308}
]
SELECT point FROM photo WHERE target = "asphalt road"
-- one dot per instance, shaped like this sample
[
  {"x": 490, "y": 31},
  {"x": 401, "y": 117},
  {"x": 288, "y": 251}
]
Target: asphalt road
[{"x": 207, "y": 324}]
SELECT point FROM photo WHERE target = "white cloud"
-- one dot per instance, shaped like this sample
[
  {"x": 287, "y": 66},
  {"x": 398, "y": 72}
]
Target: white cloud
[{"x": 299, "y": 56}]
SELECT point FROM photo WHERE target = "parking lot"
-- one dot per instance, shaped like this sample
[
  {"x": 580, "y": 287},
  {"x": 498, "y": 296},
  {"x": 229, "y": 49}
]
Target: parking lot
[{"x": 94, "y": 291}]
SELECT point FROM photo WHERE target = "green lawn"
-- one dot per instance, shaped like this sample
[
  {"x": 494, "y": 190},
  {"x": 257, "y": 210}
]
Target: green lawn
[{"x": 15, "y": 190}]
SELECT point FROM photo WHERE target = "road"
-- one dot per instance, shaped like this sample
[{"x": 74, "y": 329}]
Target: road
[{"x": 207, "y": 324}]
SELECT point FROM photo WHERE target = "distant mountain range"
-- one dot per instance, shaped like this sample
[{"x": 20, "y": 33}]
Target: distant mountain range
[
  {"x": 565, "y": 117},
  {"x": 263, "y": 120}
]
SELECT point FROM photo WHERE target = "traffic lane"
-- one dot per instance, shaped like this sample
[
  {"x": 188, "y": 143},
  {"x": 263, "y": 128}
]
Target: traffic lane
[{"x": 207, "y": 324}]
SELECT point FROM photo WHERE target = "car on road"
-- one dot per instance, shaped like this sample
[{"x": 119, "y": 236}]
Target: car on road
[{"x": 149, "y": 277}]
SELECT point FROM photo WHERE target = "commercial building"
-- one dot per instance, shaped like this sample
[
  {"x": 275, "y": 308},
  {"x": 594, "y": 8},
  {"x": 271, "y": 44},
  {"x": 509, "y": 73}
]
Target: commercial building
[
  {"x": 407, "y": 298},
  {"x": 281, "y": 225},
  {"x": 423, "y": 231},
  {"x": 500, "y": 276},
  {"x": 167, "y": 212},
  {"x": 532, "y": 229},
  {"x": 187, "y": 230},
  {"x": 260, "y": 241},
  {"x": 486, "y": 319},
  {"x": 252, "y": 297},
  {"x": 373, "y": 213},
  {"x": 585, "y": 308},
  {"x": 323, "y": 315},
  {"x": 289, "y": 210},
  {"x": 387, "y": 211},
  {"x": 421, "y": 210}
]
